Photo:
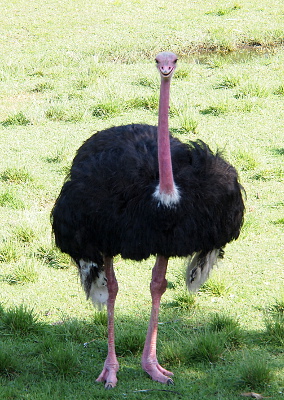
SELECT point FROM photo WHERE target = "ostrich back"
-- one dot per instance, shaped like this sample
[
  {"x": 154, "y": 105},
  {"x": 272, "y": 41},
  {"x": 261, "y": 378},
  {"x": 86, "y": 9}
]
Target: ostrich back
[{"x": 106, "y": 206}]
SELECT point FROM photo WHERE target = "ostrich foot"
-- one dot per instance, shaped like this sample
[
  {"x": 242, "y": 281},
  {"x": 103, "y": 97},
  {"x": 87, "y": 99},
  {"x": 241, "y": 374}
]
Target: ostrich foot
[
  {"x": 157, "y": 372},
  {"x": 108, "y": 375}
]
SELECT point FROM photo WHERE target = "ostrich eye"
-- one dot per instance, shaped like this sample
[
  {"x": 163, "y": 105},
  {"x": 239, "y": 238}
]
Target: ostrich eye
[
  {"x": 156, "y": 61},
  {"x": 175, "y": 61}
]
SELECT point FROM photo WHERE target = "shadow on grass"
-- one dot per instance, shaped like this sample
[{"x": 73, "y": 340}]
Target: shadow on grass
[{"x": 62, "y": 360}]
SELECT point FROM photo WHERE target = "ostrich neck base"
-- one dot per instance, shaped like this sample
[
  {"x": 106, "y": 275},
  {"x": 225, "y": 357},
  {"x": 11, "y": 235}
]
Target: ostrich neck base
[{"x": 168, "y": 199}]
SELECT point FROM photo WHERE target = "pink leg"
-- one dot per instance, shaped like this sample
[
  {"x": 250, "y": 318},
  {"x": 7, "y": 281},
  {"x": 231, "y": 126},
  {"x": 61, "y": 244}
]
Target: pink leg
[
  {"x": 111, "y": 365},
  {"x": 149, "y": 358}
]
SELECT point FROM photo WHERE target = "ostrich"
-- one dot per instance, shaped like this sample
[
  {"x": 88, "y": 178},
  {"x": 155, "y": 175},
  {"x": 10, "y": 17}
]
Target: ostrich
[{"x": 137, "y": 191}]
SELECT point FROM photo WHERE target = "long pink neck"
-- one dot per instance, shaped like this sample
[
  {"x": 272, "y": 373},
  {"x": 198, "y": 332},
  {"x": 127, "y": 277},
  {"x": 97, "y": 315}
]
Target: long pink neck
[{"x": 166, "y": 181}]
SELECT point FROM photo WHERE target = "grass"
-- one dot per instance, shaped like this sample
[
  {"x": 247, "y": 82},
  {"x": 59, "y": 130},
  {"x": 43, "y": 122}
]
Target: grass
[
  {"x": 68, "y": 70},
  {"x": 252, "y": 90},
  {"x": 254, "y": 372},
  {"x": 20, "y": 320},
  {"x": 61, "y": 360},
  {"x": 231, "y": 328},
  {"x": 52, "y": 257},
  {"x": 25, "y": 234},
  {"x": 130, "y": 342},
  {"x": 106, "y": 110},
  {"x": 215, "y": 287},
  {"x": 216, "y": 109},
  {"x": 42, "y": 87},
  {"x": 245, "y": 160},
  {"x": 228, "y": 82},
  {"x": 16, "y": 119},
  {"x": 8, "y": 363},
  {"x": 10, "y": 251},
  {"x": 188, "y": 121},
  {"x": 16, "y": 175},
  {"x": 184, "y": 301},
  {"x": 10, "y": 199},
  {"x": 280, "y": 90},
  {"x": 278, "y": 307},
  {"x": 225, "y": 10},
  {"x": 275, "y": 329},
  {"x": 206, "y": 347},
  {"x": 23, "y": 272},
  {"x": 274, "y": 322}
]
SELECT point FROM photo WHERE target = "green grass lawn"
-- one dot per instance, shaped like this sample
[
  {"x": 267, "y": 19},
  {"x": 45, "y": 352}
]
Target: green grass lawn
[{"x": 69, "y": 69}]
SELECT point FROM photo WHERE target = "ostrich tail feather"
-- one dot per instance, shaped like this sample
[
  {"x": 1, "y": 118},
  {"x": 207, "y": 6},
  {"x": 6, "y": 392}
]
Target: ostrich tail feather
[
  {"x": 94, "y": 282},
  {"x": 199, "y": 267}
]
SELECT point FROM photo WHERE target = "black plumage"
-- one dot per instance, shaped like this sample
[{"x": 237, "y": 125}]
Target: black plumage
[{"x": 107, "y": 206}]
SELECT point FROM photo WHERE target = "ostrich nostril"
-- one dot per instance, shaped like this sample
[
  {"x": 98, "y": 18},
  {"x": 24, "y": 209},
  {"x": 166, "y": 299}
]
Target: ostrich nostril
[{"x": 166, "y": 70}]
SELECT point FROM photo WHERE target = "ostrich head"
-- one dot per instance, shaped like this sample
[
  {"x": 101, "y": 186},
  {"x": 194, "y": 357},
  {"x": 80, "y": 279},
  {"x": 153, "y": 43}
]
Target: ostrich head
[{"x": 166, "y": 64}]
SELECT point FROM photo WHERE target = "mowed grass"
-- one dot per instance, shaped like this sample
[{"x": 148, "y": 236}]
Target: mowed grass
[{"x": 69, "y": 69}]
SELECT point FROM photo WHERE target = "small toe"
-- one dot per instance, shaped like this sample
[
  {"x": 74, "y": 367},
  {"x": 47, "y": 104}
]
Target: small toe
[{"x": 170, "y": 382}]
